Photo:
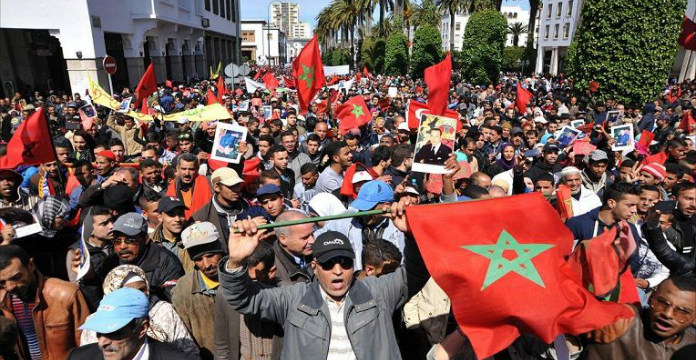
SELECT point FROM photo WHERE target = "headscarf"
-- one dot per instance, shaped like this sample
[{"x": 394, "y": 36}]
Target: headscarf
[
  {"x": 47, "y": 210},
  {"x": 324, "y": 204},
  {"x": 502, "y": 162}
]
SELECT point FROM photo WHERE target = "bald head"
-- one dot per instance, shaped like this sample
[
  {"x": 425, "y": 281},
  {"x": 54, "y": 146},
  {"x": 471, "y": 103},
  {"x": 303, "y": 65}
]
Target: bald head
[
  {"x": 296, "y": 239},
  {"x": 288, "y": 215},
  {"x": 480, "y": 179}
]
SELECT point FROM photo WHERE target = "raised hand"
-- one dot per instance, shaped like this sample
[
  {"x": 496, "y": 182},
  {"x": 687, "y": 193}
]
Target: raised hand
[{"x": 243, "y": 242}]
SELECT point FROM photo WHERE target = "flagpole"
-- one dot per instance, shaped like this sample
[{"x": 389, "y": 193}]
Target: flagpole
[
  {"x": 53, "y": 148},
  {"x": 321, "y": 218}
]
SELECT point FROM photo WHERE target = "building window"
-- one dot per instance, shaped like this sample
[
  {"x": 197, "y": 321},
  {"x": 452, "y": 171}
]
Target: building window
[
  {"x": 216, "y": 9},
  {"x": 222, "y": 9},
  {"x": 514, "y": 16},
  {"x": 569, "y": 12},
  {"x": 558, "y": 9},
  {"x": 233, "y": 10},
  {"x": 555, "y": 31},
  {"x": 207, "y": 5},
  {"x": 548, "y": 12},
  {"x": 458, "y": 26},
  {"x": 548, "y": 30},
  {"x": 229, "y": 8},
  {"x": 566, "y": 31}
]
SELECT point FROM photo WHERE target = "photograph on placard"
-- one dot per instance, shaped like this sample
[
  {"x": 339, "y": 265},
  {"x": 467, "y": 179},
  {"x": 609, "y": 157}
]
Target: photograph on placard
[
  {"x": 566, "y": 136},
  {"x": 623, "y": 136},
  {"x": 614, "y": 117},
  {"x": 434, "y": 143},
  {"x": 576, "y": 124},
  {"x": 226, "y": 142}
]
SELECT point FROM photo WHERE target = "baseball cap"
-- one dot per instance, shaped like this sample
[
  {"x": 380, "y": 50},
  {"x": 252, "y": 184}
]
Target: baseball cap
[
  {"x": 226, "y": 176},
  {"x": 116, "y": 310},
  {"x": 268, "y": 189},
  {"x": 598, "y": 155},
  {"x": 372, "y": 193},
  {"x": 169, "y": 203},
  {"x": 130, "y": 224},
  {"x": 201, "y": 238},
  {"x": 330, "y": 245},
  {"x": 361, "y": 176},
  {"x": 551, "y": 147}
]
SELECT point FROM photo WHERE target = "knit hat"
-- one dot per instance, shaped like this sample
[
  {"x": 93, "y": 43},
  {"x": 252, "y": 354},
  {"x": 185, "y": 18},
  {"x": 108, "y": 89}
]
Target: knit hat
[
  {"x": 107, "y": 154},
  {"x": 656, "y": 170}
]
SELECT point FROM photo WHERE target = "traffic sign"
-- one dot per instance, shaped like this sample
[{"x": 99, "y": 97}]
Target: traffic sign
[{"x": 109, "y": 64}]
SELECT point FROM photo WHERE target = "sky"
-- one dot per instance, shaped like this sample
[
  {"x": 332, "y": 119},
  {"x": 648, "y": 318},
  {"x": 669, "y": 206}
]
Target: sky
[{"x": 258, "y": 9}]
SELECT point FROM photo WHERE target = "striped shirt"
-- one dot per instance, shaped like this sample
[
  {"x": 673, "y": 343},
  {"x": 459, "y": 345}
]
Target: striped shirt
[
  {"x": 339, "y": 344},
  {"x": 25, "y": 322}
]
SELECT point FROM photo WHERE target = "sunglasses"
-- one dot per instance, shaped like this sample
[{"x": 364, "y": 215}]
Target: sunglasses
[
  {"x": 346, "y": 263},
  {"x": 660, "y": 304},
  {"x": 125, "y": 240}
]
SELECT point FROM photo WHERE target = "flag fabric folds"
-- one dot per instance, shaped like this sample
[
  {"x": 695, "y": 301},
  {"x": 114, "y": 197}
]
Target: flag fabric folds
[
  {"x": 352, "y": 114},
  {"x": 516, "y": 279},
  {"x": 221, "y": 88},
  {"x": 270, "y": 81},
  {"x": 147, "y": 84},
  {"x": 687, "y": 37},
  {"x": 252, "y": 86},
  {"x": 438, "y": 78},
  {"x": 308, "y": 71},
  {"x": 30, "y": 144},
  {"x": 522, "y": 98},
  {"x": 417, "y": 109}
]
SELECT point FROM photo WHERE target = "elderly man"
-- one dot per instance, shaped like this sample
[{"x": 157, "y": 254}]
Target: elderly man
[
  {"x": 582, "y": 200},
  {"x": 293, "y": 250},
  {"x": 47, "y": 311},
  {"x": 121, "y": 324}
]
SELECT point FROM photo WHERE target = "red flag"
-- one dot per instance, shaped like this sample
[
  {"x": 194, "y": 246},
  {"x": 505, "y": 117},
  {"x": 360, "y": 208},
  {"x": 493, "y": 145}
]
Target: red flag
[
  {"x": 211, "y": 97},
  {"x": 333, "y": 96},
  {"x": 357, "y": 77},
  {"x": 309, "y": 72},
  {"x": 322, "y": 106},
  {"x": 87, "y": 121},
  {"x": 334, "y": 80},
  {"x": 270, "y": 81},
  {"x": 593, "y": 86},
  {"x": 147, "y": 84},
  {"x": 516, "y": 280},
  {"x": 687, "y": 37},
  {"x": 221, "y": 88},
  {"x": 168, "y": 83},
  {"x": 522, "y": 98},
  {"x": 258, "y": 73},
  {"x": 366, "y": 72},
  {"x": 564, "y": 204},
  {"x": 438, "y": 77},
  {"x": 289, "y": 82},
  {"x": 30, "y": 144},
  {"x": 643, "y": 145},
  {"x": 347, "y": 188},
  {"x": 417, "y": 109},
  {"x": 686, "y": 121},
  {"x": 352, "y": 114}
]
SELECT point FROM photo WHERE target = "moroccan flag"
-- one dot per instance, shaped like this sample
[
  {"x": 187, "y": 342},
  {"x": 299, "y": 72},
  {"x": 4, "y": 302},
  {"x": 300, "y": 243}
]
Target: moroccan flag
[
  {"x": 270, "y": 81},
  {"x": 366, "y": 72},
  {"x": 221, "y": 88},
  {"x": 212, "y": 99},
  {"x": 522, "y": 98},
  {"x": 687, "y": 37},
  {"x": 322, "y": 106},
  {"x": 643, "y": 145},
  {"x": 168, "y": 83},
  {"x": 290, "y": 82},
  {"x": 309, "y": 72},
  {"x": 334, "y": 80},
  {"x": 515, "y": 279},
  {"x": 564, "y": 203},
  {"x": 686, "y": 121},
  {"x": 259, "y": 73},
  {"x": 352, "y": 114},
  {"x": 417, "y": 109},
  {"x": 438, "y": 77},
  {"x": 30, "y": 144},
  {"x": 147, "y": 84}
]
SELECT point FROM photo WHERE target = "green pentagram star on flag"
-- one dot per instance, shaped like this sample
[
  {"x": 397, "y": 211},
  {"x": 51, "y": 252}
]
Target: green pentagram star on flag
[
  {"x": 357, "y": 111},
  {"x": 307, "y": 75},
  {"x": 500, "y": 266}
]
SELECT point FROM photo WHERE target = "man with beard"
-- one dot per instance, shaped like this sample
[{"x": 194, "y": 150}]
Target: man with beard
[
  {"x": 36, "y": 304},
  {"x": 189, "y": 186},
  {"x": 582, "y": 200},
  {"x": 657, "y": 332},
  {"x": 170, "y": 213},
  {"x": 193, "y": 296},
  {"x": 151, "y": 173},
  {"x": 594, "y": 176},
  {"x": 132, "y": 246},
  {"x": 10, "y": 193},
  {"x": 48, "y": 181},
  {"x": 340, "y": 158},
  {"x": 547, "y": 165}
]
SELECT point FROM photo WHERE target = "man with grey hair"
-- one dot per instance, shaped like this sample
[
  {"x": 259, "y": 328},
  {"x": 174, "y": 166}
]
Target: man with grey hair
[
  {"x": 582, "y": 199},
  {"x": 293, "y": 250}
]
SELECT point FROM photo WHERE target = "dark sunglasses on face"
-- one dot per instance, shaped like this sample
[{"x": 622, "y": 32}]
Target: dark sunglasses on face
[
  {"x": 125, "y": 240},
  {"x": 346, "y": 263}
]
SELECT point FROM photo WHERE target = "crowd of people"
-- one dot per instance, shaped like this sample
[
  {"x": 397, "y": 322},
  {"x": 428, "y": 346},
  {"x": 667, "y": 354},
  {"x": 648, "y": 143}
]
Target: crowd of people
[{"x": 149, "y": 249}]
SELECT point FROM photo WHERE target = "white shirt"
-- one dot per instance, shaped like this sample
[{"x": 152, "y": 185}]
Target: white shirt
[
  {"x": 144, "y": 352},
  {"x": 339, "y": 344}
]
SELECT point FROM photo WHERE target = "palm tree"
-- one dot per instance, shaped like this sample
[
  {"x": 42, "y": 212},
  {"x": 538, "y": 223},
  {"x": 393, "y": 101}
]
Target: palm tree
[
  {"x": 516, "y": 29},
  {"x": 425, "y": 13},
  {"x": 533, "y": 8},
  {"x": 453, "y": 7}
]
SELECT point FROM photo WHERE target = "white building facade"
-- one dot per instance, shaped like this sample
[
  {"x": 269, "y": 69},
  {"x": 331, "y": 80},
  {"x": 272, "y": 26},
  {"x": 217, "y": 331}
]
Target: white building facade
[
  {"x": 263, "y": 44},
  {"x": 39, "y": 40},
  {"x": 513, "y": 14},
  {"x": 558, "y": 22},
  {"x": 284, "y": 15},
  {"x": 302, "y": 30}
]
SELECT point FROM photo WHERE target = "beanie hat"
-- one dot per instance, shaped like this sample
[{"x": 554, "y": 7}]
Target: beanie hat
[{"x": 656, "y": 170}]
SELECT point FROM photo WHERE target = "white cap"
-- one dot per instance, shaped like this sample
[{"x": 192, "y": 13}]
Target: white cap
[
  {"x": 403, "y": 126},
  {"x": 361, "y": 176}
]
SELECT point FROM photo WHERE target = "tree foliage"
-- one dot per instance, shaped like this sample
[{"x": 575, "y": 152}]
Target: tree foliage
[
  {"x": 396, "y": 54},
  {"x": 629, "y": 59},
  {"x": 425, "y": 13},
  {"x": 336, "y": 56},
  {"x": 427, "y": 46},
  {"x": 512, "y": 58},
  {"x": 484, "y": 40},
  {"x": 378, "y": 55}
]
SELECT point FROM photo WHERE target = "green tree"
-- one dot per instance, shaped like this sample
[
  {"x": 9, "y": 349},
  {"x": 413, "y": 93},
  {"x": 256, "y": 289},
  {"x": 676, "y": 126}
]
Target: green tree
[
  {"x": 629, "y": 61},
  {"x": 516, "y": 30},
  {"x": 512, "y": 58},
  {"x": 482, "y": 49},
  {"x": 378, "y": 55},
  {"x": 366, "y": 48},
  {"x": 396, "y": 54},
  {"x": 425, "y": 13},
  {"x": 427, "y": 46}
]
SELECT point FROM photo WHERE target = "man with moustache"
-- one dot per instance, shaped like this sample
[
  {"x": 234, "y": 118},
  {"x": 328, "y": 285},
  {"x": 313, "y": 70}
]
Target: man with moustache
[
  {"x": 189, "y": 186},
  {"x": 170, "y": 213},
  {"x": 132, "y": 246}
]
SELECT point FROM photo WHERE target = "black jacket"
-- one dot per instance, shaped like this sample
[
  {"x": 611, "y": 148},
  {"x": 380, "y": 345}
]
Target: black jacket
[
  {"x": 542, "y": 167},
  {"x": 158, "y": 351}
]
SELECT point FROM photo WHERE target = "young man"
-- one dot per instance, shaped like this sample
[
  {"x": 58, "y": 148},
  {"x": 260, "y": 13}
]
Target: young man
[
  {"x": 10, "y": 193},
  {"x": 295, "y": 158},
  {"x": 151, "y": 174},
  {"x": 401, "y": 161},
  {"x": 340, "y": 158},
  {"x": 305, "y": 190},
  {"x": 379, "y": 257},
  {"x": 271, "y": 198},
  {"x": 279, "y": 159},
  {"x": 194, "y": 295},
  {"x": 594, "y": 176},
  {"x": 36, "y": 304},
  {"x": 171, "y": 214},
  {"x": 189, "y": 186}
]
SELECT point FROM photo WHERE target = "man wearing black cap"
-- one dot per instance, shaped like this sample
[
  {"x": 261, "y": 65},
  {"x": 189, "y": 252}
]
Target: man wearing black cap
[
  {"x": 131, "y": 246},
  {"x": 547, "y": 165},
  {"x": 336, "y": 315},
  {"x": 172, "y": 218},
  {"x": 10, "y": 193}
]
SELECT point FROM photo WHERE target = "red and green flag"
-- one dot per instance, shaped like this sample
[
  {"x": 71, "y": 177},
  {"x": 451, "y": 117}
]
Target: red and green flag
[
  {"x": 352, "y": 114},
  {"x": 438, "y": 78},
  {"x": 308, "y": 71},
  {"x": 505, "y": 273}
]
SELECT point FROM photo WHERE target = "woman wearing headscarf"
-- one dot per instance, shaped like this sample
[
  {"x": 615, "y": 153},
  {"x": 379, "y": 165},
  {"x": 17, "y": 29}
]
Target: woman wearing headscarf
[
  {"x": 506, "y": 161},
  {"x": 165, "y": 324},
  {"x": 325, "y": 204}
]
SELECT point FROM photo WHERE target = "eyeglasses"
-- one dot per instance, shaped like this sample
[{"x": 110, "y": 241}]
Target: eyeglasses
[
  {"x": 125, "y": 240},
  {"x": 660, "y": 304},
  {"x": 346, "y": 263}
]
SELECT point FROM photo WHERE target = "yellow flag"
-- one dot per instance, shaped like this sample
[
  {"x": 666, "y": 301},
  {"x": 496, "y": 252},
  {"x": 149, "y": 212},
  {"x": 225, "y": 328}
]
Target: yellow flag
[
  {"x": 210, "y": 112},
  {"x": 101, "y": 97}
]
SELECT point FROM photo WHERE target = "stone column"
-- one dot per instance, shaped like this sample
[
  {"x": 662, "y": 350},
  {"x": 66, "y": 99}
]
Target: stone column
[
  {"x": 553, "y": 68},
  {"x": 135, "y": 67},
  {"x": 539, "y": 67},
  {"x": 177, "y": 70},
  {"x": 78, "y": 70},
  {"x": 190, "y": 62},
  {"x": 160, "y": 68},
  {"x": 201, "y": 69}
]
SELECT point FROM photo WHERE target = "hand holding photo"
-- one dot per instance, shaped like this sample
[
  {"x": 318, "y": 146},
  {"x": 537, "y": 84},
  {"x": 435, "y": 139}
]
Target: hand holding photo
[
  {"x": 566, "y": 135},
  {"x": 434, "y": 144},
  {"x": 623, "y": 136},
  {"x": 226, "y": 142}
]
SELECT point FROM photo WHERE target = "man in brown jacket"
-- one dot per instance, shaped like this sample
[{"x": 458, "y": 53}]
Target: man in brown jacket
[{"x": 47, "y": 311}]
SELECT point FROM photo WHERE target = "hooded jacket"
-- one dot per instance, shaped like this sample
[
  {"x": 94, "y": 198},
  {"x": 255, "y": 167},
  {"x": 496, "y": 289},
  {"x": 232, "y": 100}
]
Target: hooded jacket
[{"x": 647, "y": 122}]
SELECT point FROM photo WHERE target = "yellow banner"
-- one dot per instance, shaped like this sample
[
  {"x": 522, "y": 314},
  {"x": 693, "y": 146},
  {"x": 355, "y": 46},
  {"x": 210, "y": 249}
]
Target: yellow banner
[{"x": 208, "y": 113}]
